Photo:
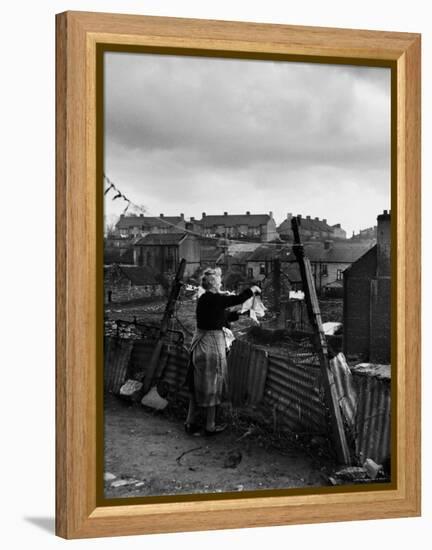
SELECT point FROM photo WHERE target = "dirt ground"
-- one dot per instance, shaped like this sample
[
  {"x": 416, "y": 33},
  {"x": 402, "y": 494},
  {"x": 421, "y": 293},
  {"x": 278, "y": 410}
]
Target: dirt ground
[{"x": 148, "y": 453}]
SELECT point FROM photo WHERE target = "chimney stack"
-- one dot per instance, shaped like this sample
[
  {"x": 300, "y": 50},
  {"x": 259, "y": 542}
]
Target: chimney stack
[
  {"x": 225, "y": 213},
  {"x": 324, "y": 220},
  {"x": 383, "y": 244},
  {"x": 161, "y": 215},
  {"x": 248, "y": 213},
  {"x": 289, "y": 216},
  {"x": 192, "y": 219},
  {"x": 308, "y": 217},
  {"x": 271, "y": 214},
  {"x": 182, "y": 216},
  {"x": 203, "y": 214}
]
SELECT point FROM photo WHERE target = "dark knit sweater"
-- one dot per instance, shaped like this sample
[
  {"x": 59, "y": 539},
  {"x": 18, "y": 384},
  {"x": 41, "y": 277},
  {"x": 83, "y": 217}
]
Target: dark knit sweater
[{"x": 211, "y": 307}]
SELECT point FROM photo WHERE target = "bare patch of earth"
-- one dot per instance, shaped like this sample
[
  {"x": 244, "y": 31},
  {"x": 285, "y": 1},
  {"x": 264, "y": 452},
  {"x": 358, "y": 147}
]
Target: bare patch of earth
[{"x": 149, "y": 453}]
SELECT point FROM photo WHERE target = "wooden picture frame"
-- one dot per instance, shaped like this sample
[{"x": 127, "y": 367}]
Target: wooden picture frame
[{"x": 79, "y": 287}]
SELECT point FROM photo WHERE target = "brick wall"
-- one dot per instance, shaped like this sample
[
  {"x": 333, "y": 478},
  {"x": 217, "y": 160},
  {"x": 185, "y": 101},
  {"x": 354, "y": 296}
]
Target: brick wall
[
  {"x": 357, "y": 317},
  {"x": 380, "y": 334}
]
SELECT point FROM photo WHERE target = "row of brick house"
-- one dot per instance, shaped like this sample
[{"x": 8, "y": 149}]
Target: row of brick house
[
  {"x": 234, "y": 242},
  {"x": 255, "y": 227}
]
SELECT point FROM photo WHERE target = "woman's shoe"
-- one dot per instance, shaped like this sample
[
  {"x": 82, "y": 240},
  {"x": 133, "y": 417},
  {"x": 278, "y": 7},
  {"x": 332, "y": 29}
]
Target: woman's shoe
[
  {"x": 192, "y": 429},
  {"x": 217, "y": 429}
]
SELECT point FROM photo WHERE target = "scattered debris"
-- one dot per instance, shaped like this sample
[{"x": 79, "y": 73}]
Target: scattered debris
[
  {"x": 373, "y": 469},
  {"x": 154, "y": 400},
  {"x": 233, "y": 459},
  {"x": 109, "y": 477},
  {"x": 123, "y": 482},
  {"x": 351, "y": 473},
  {"x": 130, "y": 388},
  {"x": 368, "y": 473},
  {"x": 140, "y": 484},
  {"x": 178, "y": 459},
  {"x": 250, "y": 431}
]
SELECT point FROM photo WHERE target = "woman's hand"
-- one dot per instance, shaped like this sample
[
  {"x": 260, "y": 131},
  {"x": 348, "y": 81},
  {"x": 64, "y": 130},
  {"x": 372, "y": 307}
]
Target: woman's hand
[{"x": 255, "y": 289}]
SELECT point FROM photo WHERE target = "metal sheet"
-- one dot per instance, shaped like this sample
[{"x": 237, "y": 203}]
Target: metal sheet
[
  {"x": 247, "y": 371},
  {"x": 117, "y": 352},
  {"x": 293, "y": 390},
  {"x": 345, "y": 388},
  {"x": 373, "y": 419}
]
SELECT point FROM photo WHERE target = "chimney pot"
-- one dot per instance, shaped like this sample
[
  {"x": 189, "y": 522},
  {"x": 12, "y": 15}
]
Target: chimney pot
[
  {"x": 248, "y": 213},
  {"x": 316, "y": 219}
]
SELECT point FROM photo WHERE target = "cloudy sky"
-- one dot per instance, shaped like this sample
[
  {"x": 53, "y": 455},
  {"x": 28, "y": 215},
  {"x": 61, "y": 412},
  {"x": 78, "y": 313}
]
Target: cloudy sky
[{"x": 193, "y": 135}]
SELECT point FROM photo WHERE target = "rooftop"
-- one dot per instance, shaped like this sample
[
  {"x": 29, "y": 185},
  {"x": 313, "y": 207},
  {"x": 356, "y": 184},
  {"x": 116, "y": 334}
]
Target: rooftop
[
  {"x": 306, "y": 224},
  {"x": 252, "y": 220},
  {"x": 339, "y": 252},
  {"x": 161, "y": 239},
  {"x": 144, "y": 222}
]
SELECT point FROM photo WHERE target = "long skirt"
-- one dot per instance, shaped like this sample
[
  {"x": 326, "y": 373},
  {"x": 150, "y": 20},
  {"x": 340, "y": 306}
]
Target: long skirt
[{"x": 207, "y": 371}]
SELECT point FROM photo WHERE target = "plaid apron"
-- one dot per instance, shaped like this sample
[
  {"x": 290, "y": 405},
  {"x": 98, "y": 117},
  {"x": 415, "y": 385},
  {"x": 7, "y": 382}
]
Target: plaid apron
[{"x": 207, "y": 370}]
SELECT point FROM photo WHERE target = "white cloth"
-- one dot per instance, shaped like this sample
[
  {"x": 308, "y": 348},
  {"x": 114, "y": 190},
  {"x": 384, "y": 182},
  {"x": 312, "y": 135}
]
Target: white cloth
[
  {"x": 255, "y": 307},
  {"x": 229, "y": 337}
]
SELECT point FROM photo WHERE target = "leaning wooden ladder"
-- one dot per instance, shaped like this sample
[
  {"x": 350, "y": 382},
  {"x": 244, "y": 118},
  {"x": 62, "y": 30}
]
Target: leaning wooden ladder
[{"x": 331, "y": 398}]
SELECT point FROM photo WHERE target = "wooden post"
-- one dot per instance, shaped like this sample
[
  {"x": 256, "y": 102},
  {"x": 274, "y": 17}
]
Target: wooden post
[
  {"x": 338, "y": 430},
  {"x": 169, "y": 312}
]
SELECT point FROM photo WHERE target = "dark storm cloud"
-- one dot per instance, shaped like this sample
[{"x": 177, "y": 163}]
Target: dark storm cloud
[{"x": 174, "y": 123}]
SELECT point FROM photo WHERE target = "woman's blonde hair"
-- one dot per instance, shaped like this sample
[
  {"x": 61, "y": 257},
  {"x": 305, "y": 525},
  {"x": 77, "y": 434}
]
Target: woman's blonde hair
[{"x": 210, "y": 278}]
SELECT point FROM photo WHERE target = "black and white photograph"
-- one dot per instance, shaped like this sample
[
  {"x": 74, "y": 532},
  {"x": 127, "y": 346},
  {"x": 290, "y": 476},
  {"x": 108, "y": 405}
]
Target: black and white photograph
[{"x": 247, "y": 275}]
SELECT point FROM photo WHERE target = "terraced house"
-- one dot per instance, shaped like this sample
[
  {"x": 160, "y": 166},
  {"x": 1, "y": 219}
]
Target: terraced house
[
  {"x": 140, "y": 226},
  {"x": 258, "y": 227},
  {"x": 311, "y": 229}
]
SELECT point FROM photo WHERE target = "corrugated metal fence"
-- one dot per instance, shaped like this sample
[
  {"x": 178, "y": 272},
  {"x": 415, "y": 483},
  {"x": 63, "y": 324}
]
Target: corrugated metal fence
[
  {"x": 288, "y": 384},
  {"x": 293, "y": 391},
  {"x": 373, "y": 419}
]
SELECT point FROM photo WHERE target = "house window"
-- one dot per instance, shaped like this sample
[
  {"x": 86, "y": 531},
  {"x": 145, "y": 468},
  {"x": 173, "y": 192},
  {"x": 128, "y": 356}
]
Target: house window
[
  {"x": 324, "y": 271},
  {"x": 250, "y": 273},
  {"x": 339, "y": 275},
  {"x": 262, "y": 269}
]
